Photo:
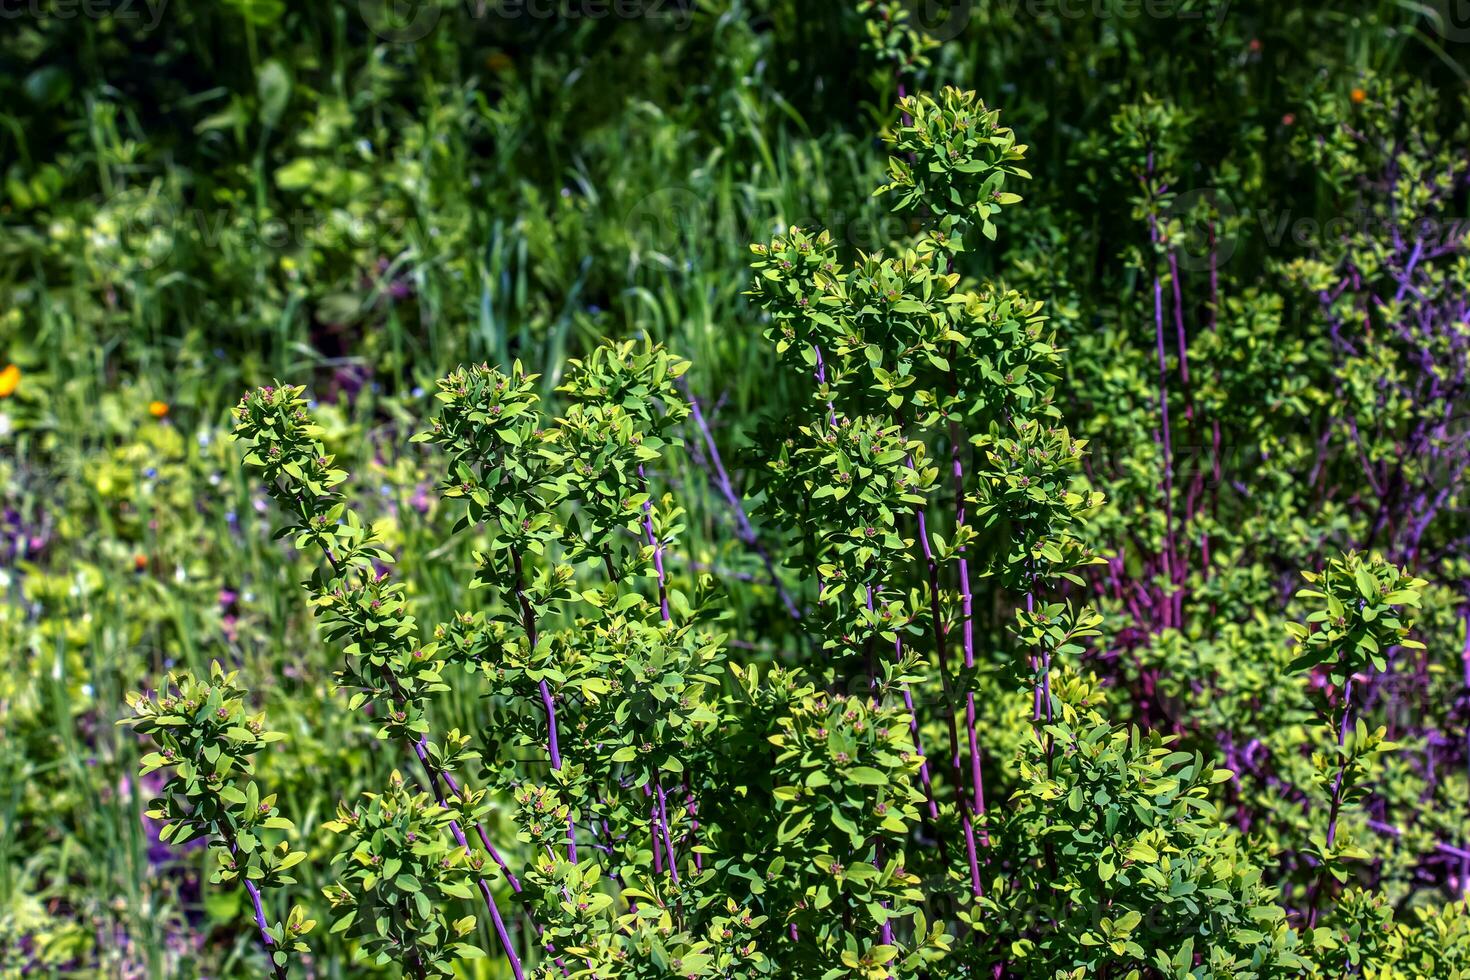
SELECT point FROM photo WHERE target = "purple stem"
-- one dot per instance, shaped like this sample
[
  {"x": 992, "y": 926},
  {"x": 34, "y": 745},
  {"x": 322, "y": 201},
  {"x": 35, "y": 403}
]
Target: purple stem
[
  {"x": 1179, "y": 331},
  {"x": 908, "y": 703},
  {"x": 429, "y": 769},
  {"x": 1166, "y": 442},
  {"x": 966, "y": 824},
  {"x": 1347, "y": 714},
  {"x": 977, "y": 781},
  {"x": 265, "y": 936},
  {"x": 1036, "y": 691},
  {"x": 553, "y": 743},
  {"x": 454, "y": 788},
  {"x": 500, "y": 930},
  {"x": 821, "y": 375},
  {"x": 1183, "y": 341},
  {"x": 228, "y": 836},
  {"x": 936, "y": 622},
  {"x": 663, "y": 823},
  {"x": 692, "y": 809},
  {"x": 658, "y": 548},
  {"x": 553, "y": 746},
  {"x": 885, "y": 932},
  {"x": 661, "y": 807},
  {"x": 721, "y": 479},
  {"x": 1441, "y": 846},
  {"x": 655, "y": 824},
  {"x": 1465, "y": 662},
  {"x": 1336, "y": 806}
]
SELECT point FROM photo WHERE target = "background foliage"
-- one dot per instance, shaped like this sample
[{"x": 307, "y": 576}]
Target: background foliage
[{"x": 1245, "y": 225}]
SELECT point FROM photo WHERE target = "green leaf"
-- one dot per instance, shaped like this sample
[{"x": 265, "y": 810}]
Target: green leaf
[
  {"x": 866, "y": 776},
  {"x": 273, "y": 85},
  {"x": 1139, "y": 851}
]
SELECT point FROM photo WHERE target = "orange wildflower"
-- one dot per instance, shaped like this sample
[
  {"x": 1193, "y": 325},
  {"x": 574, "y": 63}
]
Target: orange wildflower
[
  {"x": 157, "y": 409},
  {"x": 1358, "y": 95},
  {"x": 9, "y": 380}
]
